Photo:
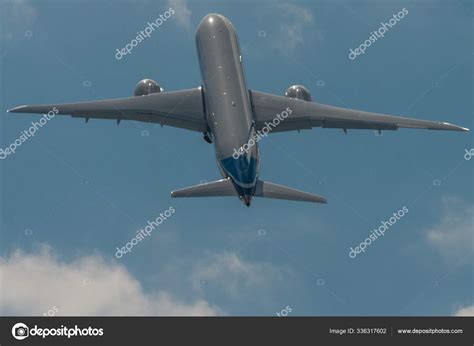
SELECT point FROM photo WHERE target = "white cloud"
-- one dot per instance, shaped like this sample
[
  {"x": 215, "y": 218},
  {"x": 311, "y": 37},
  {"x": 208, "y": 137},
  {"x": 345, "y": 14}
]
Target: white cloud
[
  {"x": 297, "y": 17},
  {"x": 235, "y": 276},
  {"x": 296, "y": 24},
  {"x": 453, "y": 236},
  {"x": 31, "y": 284},
  {"x": 20, "y": 9},
  {"x": 466, "y": 311},
  {"x": 16, "y": 17},
  {"x": 183, "y": 13}
]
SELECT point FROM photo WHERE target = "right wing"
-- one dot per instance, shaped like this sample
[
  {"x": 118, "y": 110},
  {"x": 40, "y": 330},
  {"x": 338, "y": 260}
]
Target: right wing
[
  {"x": 183, "y": 109},
  {"x": 306, "y": 115}
]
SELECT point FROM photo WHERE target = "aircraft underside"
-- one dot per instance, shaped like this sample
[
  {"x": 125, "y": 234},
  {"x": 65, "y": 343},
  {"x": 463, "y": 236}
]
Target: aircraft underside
[{"x": 231, "y": 116}]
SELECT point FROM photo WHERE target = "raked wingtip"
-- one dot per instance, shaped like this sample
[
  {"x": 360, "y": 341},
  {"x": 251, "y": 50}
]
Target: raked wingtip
[{"x": 15, "y": 109}]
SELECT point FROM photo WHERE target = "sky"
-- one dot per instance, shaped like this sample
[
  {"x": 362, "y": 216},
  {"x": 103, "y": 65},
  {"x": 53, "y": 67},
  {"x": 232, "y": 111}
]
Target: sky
[{"x": 75, "y": 192}]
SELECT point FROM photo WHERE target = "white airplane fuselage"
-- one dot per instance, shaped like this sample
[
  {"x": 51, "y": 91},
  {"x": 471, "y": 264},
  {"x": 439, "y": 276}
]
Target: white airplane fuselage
[{"x": 227, "y": 104}]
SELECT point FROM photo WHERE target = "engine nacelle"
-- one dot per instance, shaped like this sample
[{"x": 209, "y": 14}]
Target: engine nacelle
[
  {"x": 146, "y": 87},
  {"x": 299, "y": 92}
]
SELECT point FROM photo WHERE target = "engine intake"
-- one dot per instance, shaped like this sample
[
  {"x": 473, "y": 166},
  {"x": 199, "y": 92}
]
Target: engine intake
[
  {"x": 146, "y": 87},
  {"x": 299, "y": 92}
]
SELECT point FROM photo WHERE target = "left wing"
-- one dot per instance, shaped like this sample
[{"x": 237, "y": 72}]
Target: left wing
[
  {"x": 183, "y": 109},
  {"x": 305, "y": 115}
]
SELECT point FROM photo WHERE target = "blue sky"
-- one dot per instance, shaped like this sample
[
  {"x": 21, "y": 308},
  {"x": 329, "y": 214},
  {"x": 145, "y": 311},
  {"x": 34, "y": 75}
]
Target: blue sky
[{"x": 74, "y": 192}]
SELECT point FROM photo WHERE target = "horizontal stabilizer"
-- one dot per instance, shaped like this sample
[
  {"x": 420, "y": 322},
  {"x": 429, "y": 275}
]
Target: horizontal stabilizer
[
  {"x": 216, "y": 188},
  {"x": 270, "y": 190}
]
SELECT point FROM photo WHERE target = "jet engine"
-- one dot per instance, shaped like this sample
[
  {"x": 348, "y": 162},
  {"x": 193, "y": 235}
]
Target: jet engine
[
  {"x": 146, "y": 87},
  {"x": 299, "y": 92}
]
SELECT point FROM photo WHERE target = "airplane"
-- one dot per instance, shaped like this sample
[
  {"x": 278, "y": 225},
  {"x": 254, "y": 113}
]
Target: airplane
[{"x": 231, "y": 116}]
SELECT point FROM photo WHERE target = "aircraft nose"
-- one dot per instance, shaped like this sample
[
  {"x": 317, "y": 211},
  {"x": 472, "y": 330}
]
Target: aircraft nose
[{"x": 213, "y": 20}]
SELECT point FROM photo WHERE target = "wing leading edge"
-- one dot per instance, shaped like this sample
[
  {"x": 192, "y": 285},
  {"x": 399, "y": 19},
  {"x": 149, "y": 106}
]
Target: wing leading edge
[
  {"x": 183, "y": 109},
  {"x": 306, "y": 115}
]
